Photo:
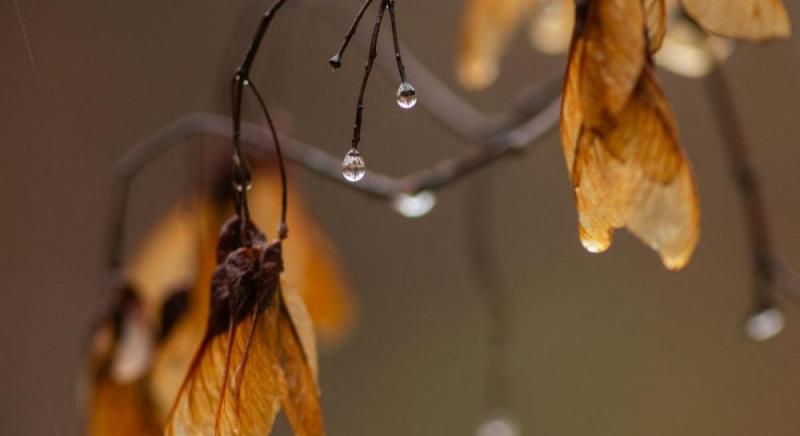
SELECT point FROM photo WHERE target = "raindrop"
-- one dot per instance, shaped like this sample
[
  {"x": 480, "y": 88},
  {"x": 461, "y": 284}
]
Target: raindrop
[
  {"x": 335, "y": 61},
  {"x": 242, "y": 180},
  {"x": 594, "y": 246},
  {"x": 765, "y": 324},
  {"x": 498, "y": 426},
  {"x": 353, "y": 167},
  {"x": 406, "y": 96},
  {"x": 414, "y": 205}
]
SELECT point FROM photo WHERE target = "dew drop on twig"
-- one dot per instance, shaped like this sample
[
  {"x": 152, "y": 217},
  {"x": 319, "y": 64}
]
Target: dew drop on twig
[
  {"x": 406, "y": 96},
  {"x": 353, "y": 166},
  {"x": 498, "y": 426},
  {"x": 765, "y": 324},
  {"x": 414, "y": 205}
]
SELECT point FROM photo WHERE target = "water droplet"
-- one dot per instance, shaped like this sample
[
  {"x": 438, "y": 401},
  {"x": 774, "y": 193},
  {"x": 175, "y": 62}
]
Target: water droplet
[
  {"x": 674, "y": 263},
  {"x": 593, "y": 242},
  {"x": 416, "y": 205},
  {"x": 335, "y": 61},
  {"x": 765, "y": 324},
  {"x": 353, "y": 166},
  {"x": 406, "y": 96},
  {"x": 593, "y": 246},
  {"x": 242, "y": 181},
  {"x": 498, "y": 426}
]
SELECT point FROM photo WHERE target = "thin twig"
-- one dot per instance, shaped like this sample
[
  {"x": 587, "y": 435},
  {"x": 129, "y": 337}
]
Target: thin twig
[
  {"x": 336, "y": 60},
  {"x": 396, "y": 40},
  {"x": 767, "y": 269},
  {"x": 525, "y": 123},
  {"x": 493, "y": 290},
  {"x": 241, "y": 170},
  {"x": 283, "y": 229},
  {"x": 312, "y": 158},
  {"x": 441, "y": 102},
  {"x": 373, "y": 53}
]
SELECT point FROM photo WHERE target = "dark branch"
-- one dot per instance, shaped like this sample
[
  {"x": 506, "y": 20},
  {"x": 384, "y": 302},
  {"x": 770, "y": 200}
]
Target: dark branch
[
  {"x": 373, "y": 53},
  {"x": 769, "y": 273},
  {"x": 336, "y": 60},
  {"x": 494, "y": 293}
]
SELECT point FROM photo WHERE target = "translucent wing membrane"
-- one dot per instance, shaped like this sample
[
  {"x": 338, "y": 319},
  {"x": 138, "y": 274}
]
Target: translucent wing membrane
[
  {"x": 121, "y": 351},
  {"x": 626, "y": 165},
  {"x": 252, "y": 358},
  {"x": 301, "y": 397},
  {"x": 744, "y": 19},
  {"x": 656, "y": 16},
  {"x": 487, "y": 27},
  {"x": 234, "y": 385},
  {"x": 612, "y": 59}
]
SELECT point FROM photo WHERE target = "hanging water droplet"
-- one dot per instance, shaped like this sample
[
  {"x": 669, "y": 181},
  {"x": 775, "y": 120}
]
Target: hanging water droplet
[
  {"x": 335, "y": 61},
  {"x": 353, "y": 166},
  {"x": 415, "y": 205},
  {"x": 592, "y": 242},
  {"x": 498, "y": 426},
  {"x": 765, "y": 324},
  {"x": 242, "y": 180},
  {"x": 242, "y": 187},
  {"x": 406, "y": 96}
]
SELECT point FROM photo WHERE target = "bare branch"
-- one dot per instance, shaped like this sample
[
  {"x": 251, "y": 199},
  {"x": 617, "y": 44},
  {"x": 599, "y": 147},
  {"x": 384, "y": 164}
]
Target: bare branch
[{"x": 770, "y": 275}]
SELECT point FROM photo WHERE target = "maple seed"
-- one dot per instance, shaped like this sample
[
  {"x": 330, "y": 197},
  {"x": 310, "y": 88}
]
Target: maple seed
[
  {"x": 406, "y": 96},
  {"x": 353, "y": 166}
]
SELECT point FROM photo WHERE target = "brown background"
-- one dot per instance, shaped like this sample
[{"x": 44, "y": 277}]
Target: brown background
[{"x": 604, "y": 345}]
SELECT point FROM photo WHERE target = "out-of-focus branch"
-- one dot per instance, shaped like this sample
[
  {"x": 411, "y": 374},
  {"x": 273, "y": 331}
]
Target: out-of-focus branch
[
  {"x": 770, "y": 276},
  {"x": 316, "y": 160},
  {"x": 494, "y": 292}
]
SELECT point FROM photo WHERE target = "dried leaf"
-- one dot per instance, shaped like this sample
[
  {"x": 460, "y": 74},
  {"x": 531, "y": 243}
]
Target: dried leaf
[
  {"x": 301, "y": 398},
  {"x": 168, "y": 259},
  {"x": 551, "y": 26},
  {"x": 120, "y": 356},
  {"x": 234, "y": 384},
  {"x": 635, "y": 176},
  {"x": 175, "y": 353},
  {"x": 656, "y": 15},
  {"x": 690, "y": 51},
  {"x": 486, "y": 29},
  {"x": 612, "y": 58},
  {"x": 251, "y": 359},
  {"x": 312, "y": 265},
  {"x": 303, "y": 328},
  {"x": 121, "y": 409},
  {"x": 755, "y": 20}
]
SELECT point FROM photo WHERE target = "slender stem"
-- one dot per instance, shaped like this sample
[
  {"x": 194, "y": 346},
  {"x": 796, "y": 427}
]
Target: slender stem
[
  {"x": 260, "y": 32},
  {"x": 279, "y": 154},
  {"x": 117, "y": 219},
  {"x": 741, "y": 163},
  {"x": 373, "y": 53},
  {"x": 242, "y": 176},
  {"x": 396, "y": 40},
  {"x": 241, "y": 170},
  {"x": 444, "y": 104},
  {"x": 336, "y": 60}
]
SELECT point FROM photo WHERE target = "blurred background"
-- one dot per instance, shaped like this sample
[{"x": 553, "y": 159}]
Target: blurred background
[{"x": 607, "y": 344}]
